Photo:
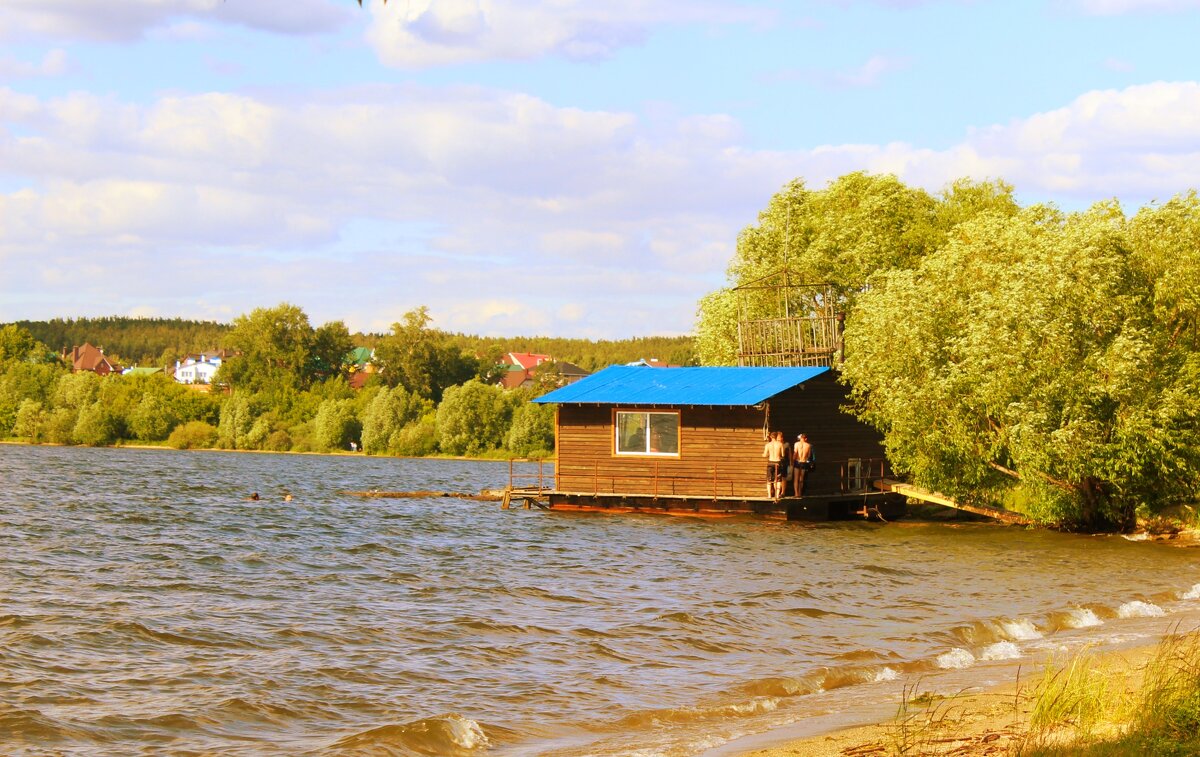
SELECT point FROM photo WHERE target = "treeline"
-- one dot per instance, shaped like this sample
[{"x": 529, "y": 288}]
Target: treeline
[
  {"x": 162, "y": 341},
  {"x": 285, "y": 389},
  {"x": 1042, "y": 360},
  {"x": 133, "y": 341},
  {"x": 587, "y": 354}
]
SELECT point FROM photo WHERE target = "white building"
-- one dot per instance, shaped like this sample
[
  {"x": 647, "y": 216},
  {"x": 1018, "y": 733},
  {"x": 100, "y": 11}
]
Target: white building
[{"x": 198, "y": 369}]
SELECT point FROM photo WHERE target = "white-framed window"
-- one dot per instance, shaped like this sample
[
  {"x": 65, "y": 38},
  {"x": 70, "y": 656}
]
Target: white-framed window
[{"x": 642, "y": 432}]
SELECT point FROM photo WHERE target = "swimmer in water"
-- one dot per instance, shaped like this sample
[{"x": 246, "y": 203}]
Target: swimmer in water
[{"x": 253, "y": 497}]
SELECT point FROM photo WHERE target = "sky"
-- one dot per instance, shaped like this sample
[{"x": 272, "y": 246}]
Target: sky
[{"x": 539, "y": 167}]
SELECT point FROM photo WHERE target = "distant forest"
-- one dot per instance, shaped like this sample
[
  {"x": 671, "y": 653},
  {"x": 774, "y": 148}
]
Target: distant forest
[{"x": 162, "y": 341}]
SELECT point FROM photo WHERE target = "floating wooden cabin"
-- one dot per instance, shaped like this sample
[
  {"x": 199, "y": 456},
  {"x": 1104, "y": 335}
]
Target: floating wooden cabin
[{"x": 690, "y": 440}]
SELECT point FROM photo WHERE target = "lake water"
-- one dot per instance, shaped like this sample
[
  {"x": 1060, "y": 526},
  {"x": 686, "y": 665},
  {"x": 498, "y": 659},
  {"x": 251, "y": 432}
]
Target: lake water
[{"x": 146, "y": 607}]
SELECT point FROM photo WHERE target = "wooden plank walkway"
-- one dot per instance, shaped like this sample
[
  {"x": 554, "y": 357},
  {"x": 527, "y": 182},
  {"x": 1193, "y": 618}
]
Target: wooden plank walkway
[{"x": 916, "y": 492}]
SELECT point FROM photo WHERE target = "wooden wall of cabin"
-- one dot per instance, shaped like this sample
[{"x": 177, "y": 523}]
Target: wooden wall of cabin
[
  {"x": 814, "y": 408},
  {"x": 720, "y": 448},
  {"x": 720, "y": 454}
]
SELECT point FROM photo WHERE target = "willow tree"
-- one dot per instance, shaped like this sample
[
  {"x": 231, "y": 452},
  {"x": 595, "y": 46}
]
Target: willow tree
[
  {"x": 840, "y": 236},
  {"x": 1030, "y": 359}
]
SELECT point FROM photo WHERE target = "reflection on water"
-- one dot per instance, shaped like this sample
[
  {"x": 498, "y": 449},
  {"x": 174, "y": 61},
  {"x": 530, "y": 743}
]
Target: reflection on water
[{"x": 149, "y": 607}]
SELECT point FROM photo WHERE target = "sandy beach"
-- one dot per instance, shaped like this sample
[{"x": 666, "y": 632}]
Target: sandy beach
[{"x": 990, "y": 722}]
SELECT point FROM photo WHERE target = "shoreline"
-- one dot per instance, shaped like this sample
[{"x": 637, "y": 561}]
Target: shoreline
[
  {"x": 338, "y": 453},
  {"x": 993, "y": 719}
]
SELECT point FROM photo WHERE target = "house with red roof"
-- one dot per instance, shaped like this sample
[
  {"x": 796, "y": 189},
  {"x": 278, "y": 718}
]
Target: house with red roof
[
  {"x": 89, "y": 358},
  {"x": 517, "y": 369}
]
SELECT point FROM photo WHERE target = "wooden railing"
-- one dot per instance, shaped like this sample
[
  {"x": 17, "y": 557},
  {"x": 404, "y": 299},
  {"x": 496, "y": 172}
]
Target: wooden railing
[{"x": 541, "y": 482}]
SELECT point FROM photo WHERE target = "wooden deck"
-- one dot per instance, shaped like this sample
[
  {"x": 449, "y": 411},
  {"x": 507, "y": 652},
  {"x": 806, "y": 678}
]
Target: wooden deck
[{"x": 876, "y": 505}]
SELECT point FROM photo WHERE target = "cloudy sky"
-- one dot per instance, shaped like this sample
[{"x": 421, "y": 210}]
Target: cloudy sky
[{"x": 560, "y": 167}]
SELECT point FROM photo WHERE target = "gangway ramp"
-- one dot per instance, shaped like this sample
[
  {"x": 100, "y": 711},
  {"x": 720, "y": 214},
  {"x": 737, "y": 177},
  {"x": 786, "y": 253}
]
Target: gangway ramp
[{"x": 924, "y": 495}]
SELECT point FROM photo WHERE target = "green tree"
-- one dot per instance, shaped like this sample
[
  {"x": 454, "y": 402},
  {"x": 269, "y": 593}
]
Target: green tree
[
  {"x": 193, "y": 435},
  {"x": 274, "y": 346},
  {"x": 98, "y": 425},
  {"x": 20, "y": 381},
  {"x": 840, "y": 236},
  {"x": 17, "y": 345},
  {"x": 473, "y": 418},
  {"x": 31, "y": 417},
  {"x": 153, "y": 418},
  {"x": 237, "y": 418},
  {"x": 336, "y": 424},
  {"x": 423, "y": 360},
  {"x": 1023, "y": 361},
  {"x": 331, "y": 343},
  {"x": 532, "y": 431},
  {"x": 418, "y": 439},
  {"x": 387, "y": 414}
]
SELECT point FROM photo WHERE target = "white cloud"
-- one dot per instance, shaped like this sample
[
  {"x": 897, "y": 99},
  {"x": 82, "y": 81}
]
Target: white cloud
[
  {"x": 422, "y": 33},
  {"x": 128, "y": 20},
  {"x": 502, "y": 212},
  {"x": 870, "y": 72},
  {"x": 53, "y": 63},
  {"x": 1122, "y": 7}
]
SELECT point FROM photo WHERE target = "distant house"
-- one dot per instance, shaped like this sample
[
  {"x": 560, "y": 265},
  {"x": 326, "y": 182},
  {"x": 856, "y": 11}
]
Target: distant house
[
  {"x": 360, "y": 363},
  {"x": 360, "y": 359},
  {"x": 199, "y": 368},
  {"x": 569, "y": 373},
  {"x": 518, "y": 369},
  {"x": 89, "y": 358}
]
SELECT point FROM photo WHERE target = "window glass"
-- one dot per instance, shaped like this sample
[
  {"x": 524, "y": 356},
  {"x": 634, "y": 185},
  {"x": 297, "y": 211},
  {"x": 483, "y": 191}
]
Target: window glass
[
  {"x": 631, "y": 433},
  {"x": 664, "y": 434},
  {"x": 641, "y": 433}
]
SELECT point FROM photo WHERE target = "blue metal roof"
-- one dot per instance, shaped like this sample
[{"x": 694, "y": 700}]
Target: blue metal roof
[{"x": 643, "y": 385}]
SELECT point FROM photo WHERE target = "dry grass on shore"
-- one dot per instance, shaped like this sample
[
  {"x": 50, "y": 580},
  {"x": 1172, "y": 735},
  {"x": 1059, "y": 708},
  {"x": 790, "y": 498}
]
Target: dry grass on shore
[{"x": 1144, "y": 701}]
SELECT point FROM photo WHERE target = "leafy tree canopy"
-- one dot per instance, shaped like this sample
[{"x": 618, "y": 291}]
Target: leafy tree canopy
[
  {"x": 1024, "y": 355},
  {"x": 841, "y": 236}
]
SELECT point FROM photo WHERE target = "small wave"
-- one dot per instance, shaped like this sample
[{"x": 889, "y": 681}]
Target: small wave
[
  {"x": 955, "y": 659},
  {"x": 1139, "y": 609},
  {"x": 21, "y": 723},
  {"x": 255, "y": 711},
  {"x": 13, "y": 620},
  {"x": 863, "y": 654},
  {"x": 650, "y": 718},
  {"x": 1082, "y": 617},
  {"x": 1001, "y": 650},
  {"x": 816, "y": 612},
  {"x": 784, "y": 686},
  {"x": 1020, "y": 630},
  {"x": 369, "y": 547},
  {"x": 984, "y": 632},
  {"x": 137, "y": 630},
  {"x": 886, "y": 674},
  {"x": 480, "y": 624},
  {"x": 450, "y": 734},
  {"x": 1192, "y": 593},
  {"x": 885, "y": 571}
]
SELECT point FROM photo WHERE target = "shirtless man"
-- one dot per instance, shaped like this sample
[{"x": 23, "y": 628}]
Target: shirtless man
[
  {"x": 773, "y": 451},
  {"x": 801, "y": 463}
]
